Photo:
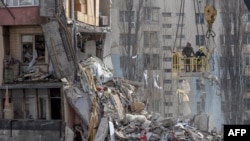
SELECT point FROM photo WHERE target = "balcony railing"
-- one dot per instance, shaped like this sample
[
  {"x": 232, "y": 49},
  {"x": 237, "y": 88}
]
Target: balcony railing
[{"x": 192, "y": 64}]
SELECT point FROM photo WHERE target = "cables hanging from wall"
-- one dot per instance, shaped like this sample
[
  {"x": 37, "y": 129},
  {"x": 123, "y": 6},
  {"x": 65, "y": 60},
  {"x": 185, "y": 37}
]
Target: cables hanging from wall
[{"x": 179, "y": 16}]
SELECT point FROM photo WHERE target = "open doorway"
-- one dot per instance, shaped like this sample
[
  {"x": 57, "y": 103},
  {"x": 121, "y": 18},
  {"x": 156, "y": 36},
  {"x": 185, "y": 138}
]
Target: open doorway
[{"x": 55, "y": 99}]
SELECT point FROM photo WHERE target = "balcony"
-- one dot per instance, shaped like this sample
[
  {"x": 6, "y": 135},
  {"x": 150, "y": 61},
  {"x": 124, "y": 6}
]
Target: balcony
[{"x": 92, "y": 12}]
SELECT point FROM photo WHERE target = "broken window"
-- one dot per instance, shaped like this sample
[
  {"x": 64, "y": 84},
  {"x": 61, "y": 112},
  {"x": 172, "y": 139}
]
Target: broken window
[
  {"x": 34, "y": 103},
  {"x": 33, "y": 47},
  {"x": 18, "y": 103},
  {"x": 12, "y": 3},
  {"x": 42, "y": 103},
  {"x": 150, "y": 38},
  {"x": 55, "y": 100},
  {"x": 30, "y": 103}
]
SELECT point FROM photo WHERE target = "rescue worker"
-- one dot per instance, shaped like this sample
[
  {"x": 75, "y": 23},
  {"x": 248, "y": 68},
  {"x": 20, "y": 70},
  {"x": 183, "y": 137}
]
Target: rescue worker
[
  {"x": 200, "y": 56},
  {"x": 188, "y": 53},
  {"x": 177, "y": 59}
]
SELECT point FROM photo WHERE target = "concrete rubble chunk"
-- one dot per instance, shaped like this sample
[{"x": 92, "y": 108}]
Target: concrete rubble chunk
[{"x": 102, "y": 131}]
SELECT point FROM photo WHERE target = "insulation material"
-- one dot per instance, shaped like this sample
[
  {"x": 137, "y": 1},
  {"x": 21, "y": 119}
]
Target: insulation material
[{"x": 98, "y": 69}]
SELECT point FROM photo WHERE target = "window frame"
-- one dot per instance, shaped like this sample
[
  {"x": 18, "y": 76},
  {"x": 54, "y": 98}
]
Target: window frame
[
  {"x": 124, "y": 16},
  {"x": 152, "y": 14},
  {"x": 19, "y": 3},
  {"x": 246, "y": 38},
  {"x": 151, "y": 40},
  {"x": 34, "y": 43},
  {"x": 167, "y": 36},
  {"x": 247, "y": 60},
  {"x": 199, "y": 18},
  {"x": 152, "y": 61},
  {"x": 167, "y": 48},
  {"x": 200, "y": 40},
  {"x": 167, "y": 59},
  {"x": 166, "y": 14},
  {"x": 20, "y": 99},
  {"x": 166, "y": 25},
  {"x": 123, "y": 39}
]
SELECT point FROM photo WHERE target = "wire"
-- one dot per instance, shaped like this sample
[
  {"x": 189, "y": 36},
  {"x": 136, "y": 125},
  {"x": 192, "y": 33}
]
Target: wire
[
  {"x": 197, "y": 29},
  {"x": 203, "y": 33},
  {"x": 183, "y": 5},
  {"x": 178, "y": 24}
]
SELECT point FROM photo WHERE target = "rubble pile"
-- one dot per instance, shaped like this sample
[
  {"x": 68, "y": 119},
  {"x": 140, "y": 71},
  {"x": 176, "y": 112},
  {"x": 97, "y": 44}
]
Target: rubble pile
[{"x": 112, "y": 109}]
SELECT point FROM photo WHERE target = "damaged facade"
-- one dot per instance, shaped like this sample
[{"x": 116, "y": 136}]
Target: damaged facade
[
  {"x": 41, "y": 42},
  {"x": 55, "y": 85}
]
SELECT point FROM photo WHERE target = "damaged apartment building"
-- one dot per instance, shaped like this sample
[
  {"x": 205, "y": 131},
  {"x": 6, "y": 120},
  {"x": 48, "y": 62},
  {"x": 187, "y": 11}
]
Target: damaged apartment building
[{"x": 41, "y": 42}]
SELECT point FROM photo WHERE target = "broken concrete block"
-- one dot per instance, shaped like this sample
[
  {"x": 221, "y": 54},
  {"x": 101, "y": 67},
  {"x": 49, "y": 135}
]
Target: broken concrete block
[{"x": 102, "y": 131}]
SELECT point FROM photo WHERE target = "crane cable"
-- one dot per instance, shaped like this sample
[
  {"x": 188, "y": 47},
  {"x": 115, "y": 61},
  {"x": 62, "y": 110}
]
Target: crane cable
[
  {"x": 209, "y": 13},
  {"x": 176, "y": 34}
]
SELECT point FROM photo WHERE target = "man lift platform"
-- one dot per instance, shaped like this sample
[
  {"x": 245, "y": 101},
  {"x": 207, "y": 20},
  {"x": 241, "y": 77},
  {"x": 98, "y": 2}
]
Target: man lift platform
[{"x": 197, "y": 66}]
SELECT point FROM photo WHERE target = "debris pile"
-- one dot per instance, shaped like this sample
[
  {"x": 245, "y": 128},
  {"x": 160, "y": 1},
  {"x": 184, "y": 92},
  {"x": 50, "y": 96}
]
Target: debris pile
[{"x": 112, "y": 109}]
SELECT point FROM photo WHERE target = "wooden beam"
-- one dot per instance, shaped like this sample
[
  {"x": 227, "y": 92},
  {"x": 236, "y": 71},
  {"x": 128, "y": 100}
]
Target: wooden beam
[
  {"x": 102, "y": 131},
  {"x": 97, "y": 9},
  {"x": 68, "y": 9},
  {"x": 90, "y": 7}
]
